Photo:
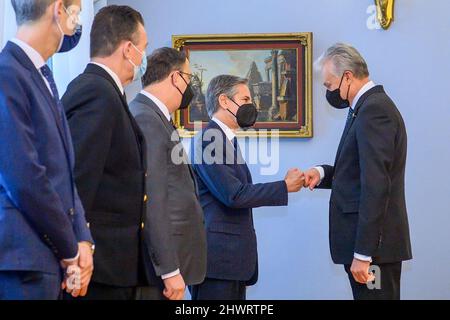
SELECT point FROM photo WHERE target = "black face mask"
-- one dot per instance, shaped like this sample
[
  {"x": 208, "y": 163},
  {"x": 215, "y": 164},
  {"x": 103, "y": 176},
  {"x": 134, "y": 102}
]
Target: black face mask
[
  {"x": 334, "y": 97},
  {"x": 187, "y": 96},
  {"x": 246, "y": 115}
]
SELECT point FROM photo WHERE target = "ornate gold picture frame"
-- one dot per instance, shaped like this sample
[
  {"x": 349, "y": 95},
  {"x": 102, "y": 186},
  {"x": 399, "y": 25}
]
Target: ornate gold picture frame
[{"x": 278, "y": 67}]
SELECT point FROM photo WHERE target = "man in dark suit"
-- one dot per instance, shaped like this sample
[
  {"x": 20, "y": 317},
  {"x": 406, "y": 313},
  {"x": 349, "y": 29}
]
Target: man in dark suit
[
  {"x": 110, "y": 153},
  {"x": 42, "y": 223},
  {"x": 175, "y": 226},
  {"x": 228, "y": 194},
  {"x": 368, "y": 219}
]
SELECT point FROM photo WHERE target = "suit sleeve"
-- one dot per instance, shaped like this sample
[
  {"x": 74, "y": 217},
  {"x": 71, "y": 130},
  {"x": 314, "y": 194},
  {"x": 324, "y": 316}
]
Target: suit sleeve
[
  {"x": 327, "y": 180},
  {"x": 24, "y": 177},
  {"x": 91, "y": 121},
  {"x": 159, "y": 231},
  {"x": 80, "y": 226},
  {"x": 376, "y": 134},
  {"x": 221, "y": 181}
]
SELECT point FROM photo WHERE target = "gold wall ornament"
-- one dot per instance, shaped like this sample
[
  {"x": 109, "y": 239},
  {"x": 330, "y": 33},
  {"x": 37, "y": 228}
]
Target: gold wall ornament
[{"x": 385, "y": 12}]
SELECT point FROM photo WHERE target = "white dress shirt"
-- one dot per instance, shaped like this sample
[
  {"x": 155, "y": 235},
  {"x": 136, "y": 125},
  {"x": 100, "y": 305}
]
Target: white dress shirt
[
  {"x": 159, "y": 103},
  {"x": 112, "y": 74},
  {"x": 35, "y": 57},
  {"x": 166, "y": 113},
  {"x": 369, "y": 85},
  {"x": 228, "y": 132}
]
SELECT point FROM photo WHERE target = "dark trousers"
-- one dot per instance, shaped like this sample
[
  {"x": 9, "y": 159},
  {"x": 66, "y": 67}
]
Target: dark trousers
[
  {"x": 390, "y": 275},
  {"x": 215, "y": 289},
  {"x": 98, "y": 291},
  {"x": 29, "y": 285}
]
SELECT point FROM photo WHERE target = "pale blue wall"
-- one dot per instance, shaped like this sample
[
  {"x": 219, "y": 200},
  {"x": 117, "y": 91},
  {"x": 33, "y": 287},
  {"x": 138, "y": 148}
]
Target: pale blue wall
[{"x": 411, "y": 60}]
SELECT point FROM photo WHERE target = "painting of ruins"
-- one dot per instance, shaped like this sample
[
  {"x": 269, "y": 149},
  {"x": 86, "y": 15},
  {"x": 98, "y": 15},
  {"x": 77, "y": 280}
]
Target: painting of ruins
[{"x": 278, "y": 72}]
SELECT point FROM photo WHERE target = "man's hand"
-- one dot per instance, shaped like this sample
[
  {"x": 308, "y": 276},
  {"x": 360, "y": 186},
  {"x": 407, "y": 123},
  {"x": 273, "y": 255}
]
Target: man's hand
[
  {"x": 71, "y": 266},
  {"x": 295, "y": 180},
  {"x": 175, "y": 288},
  {"x": 86, "y": 264},
  {"x": 360, "y": 271},
  {"x": 312, "y": 178}
]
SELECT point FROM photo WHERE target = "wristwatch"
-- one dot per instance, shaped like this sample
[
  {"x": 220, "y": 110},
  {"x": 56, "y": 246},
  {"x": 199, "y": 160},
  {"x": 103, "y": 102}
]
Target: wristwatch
[{"x": 91, "y": 245}]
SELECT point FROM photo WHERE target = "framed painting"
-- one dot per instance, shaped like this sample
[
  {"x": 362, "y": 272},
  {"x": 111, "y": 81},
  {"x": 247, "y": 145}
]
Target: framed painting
[{"x": 277, "y": 66}]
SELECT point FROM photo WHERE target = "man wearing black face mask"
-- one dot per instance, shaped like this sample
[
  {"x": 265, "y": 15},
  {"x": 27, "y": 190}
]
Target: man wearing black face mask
[
  {"x": 368, "y": 219},
  {"x": 175, "y": 228},
  {"x": 228, "y": 194}
]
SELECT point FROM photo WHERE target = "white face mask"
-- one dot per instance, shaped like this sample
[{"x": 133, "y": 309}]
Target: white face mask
[{"x": 140, "y": 70}]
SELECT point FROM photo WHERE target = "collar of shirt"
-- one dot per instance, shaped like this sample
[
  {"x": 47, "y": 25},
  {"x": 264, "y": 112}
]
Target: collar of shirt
[
  {"x": 158, "y": 102},
  {"x": 369, "y": 85},
  {"x": 228, "y": 132},
  {"x": 34, "y": 56},
  {"x": 112, "y": 74}
]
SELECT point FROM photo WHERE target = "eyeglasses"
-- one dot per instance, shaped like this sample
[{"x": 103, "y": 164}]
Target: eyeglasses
[
  {"x": 75, "y": 16},
  {"x": 190, "y": 75}
]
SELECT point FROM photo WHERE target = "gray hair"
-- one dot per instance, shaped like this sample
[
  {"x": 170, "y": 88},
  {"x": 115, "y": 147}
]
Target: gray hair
[
  {"x": 344, "y": 58},
  {"x": 223, "y": 84},
  {"x": 32, "y": 10}
]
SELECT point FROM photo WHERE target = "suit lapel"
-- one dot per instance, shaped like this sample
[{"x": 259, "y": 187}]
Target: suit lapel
[
  {"x": 36, "y": 77},
  {"x": 352, "y": 121},
  {"x": 236, "y": 153},
  {"x": 149, "y": 103},
  {"x": 95, "y": 69}
]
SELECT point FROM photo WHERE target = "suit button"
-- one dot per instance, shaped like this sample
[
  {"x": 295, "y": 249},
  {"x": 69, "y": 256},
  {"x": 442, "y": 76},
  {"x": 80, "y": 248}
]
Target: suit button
[
  {"x": 72, "y": 212},
  {"x": 145, "y": 198},
  {"x": 88, "y": 225},
  {"x": 146, "y": 174},
  {"x": 142, "y": 225}
]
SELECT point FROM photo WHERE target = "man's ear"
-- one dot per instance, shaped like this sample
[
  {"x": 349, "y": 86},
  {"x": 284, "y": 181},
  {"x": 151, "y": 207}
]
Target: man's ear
[
  {"x": 223, "y": 101},
  {"x": 349, "y": 76},
  {"x": 126, "y": 49},
  {"x": 56, "y": 9}
]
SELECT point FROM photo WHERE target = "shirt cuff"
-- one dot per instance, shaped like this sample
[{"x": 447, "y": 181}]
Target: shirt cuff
[
  {"x": 170, "y": 275},
  {"x": 362, "y": 257},
  {"x": 321, "y": 172},
  {"x": 72, "y": 259}
]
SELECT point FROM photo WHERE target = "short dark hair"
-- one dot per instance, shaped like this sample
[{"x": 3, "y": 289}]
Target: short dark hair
[
  {"x": 223, "y": 84},
  {"x": 112, "y": 25},
  {"x": 32, "y": 10},
  {"x": 161, "y": 63}
]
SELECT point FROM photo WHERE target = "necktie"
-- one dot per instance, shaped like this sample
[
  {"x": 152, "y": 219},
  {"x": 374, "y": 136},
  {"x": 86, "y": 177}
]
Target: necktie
[
  {"x": 349, "y": 118},
  {"x": 48, "y": 75},
  {"x": 237, "y": 151},
  {"x": 173, "y": 124}
]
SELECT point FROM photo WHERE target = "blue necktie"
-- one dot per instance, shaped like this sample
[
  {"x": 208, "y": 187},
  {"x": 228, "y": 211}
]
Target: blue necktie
[
  {"x": 350, "y": 114},
  {"x": 48, "y": 75},
  {"x": 349, "y": 118},
  {"x": 58, "y": 108}
]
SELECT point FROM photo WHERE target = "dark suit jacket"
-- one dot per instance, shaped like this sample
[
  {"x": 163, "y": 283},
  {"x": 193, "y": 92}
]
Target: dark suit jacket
[
  {"x": 175, "y": 232},
  {"x": 367, "y": 207},
  {"x": 109, "y": 172},
  {"x": 41, "y": 216},
  {"x": 227, "y": 195}
]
